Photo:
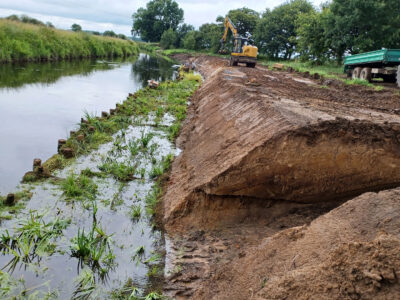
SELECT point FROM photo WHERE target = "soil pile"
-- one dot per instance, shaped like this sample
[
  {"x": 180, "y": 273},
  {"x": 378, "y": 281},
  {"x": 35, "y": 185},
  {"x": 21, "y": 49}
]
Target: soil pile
[
  {"x": 254, "y": 208},
  {"x": 352, "y": 252}
]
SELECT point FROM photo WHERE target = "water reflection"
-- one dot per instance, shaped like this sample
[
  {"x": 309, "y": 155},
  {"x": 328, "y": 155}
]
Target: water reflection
[
  {"x": 46, "y": 73},
  {"x": 149, "y": 67}
]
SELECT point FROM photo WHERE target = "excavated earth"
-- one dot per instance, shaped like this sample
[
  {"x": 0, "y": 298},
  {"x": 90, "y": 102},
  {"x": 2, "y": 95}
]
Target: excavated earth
[{"x": 264, "y": 200}]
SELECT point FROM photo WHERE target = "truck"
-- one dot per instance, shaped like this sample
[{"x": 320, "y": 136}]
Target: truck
[{"x": 383, "y": 64}]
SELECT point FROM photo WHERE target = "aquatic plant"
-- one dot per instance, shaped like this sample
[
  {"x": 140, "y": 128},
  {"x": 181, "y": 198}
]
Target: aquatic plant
[
  {"x": 85, "y": 285},
  {"x": 120, "y": 171},
  {"x": 93, "y": 248},
  {"x": 33, "y": 237},
  {"x": 145, "y": 139},
  {"x": 136, "y": 212},
  {"x": 79, "y": 187}
]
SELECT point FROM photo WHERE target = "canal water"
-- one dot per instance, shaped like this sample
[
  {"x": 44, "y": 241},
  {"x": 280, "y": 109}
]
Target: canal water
[{"x": 41, "y": 102}]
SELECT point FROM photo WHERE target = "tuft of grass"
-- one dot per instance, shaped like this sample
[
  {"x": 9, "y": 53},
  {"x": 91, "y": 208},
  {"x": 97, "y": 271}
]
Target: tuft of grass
[
  {"x": 145, "y": 139},
  {"x": 136, "y": 212},
  {"x": 152, "y": 199},
  {"x": 79, "y": 187},
  {"x": 119, "y": 171},
  {"x": 86, "y": 285},
  {"x": 93, "y": 248}
]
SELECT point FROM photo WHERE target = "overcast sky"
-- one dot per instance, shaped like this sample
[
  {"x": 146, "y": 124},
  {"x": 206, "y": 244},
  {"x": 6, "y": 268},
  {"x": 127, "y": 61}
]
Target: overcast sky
[{"x": 101, "y": 15}]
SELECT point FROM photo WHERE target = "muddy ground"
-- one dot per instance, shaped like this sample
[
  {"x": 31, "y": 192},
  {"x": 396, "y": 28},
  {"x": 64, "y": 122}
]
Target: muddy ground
[{"x": 263, "y": 202}]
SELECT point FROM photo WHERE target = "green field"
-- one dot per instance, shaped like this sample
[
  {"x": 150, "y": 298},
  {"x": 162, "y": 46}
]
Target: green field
[{"x": 27, "y": 42}]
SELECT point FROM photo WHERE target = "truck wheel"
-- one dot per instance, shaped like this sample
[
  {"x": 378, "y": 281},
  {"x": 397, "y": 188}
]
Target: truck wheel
[
  {"x": 356, "y": 73},
  {"x": 398, "y": 76},
  {"x": 366, "y": 74}
]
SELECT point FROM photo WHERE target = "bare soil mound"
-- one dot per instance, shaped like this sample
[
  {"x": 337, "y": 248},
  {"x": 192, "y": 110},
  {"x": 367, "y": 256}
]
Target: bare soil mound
[
  {"x": 255, "y": 138},
  {"x": 253, "y": 207},
  {"x": 352, "y": 252}
]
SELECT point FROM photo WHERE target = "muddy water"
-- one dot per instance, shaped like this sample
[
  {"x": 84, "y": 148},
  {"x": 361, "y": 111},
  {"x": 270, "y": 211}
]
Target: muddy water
[{"x": 41, "y": 103}]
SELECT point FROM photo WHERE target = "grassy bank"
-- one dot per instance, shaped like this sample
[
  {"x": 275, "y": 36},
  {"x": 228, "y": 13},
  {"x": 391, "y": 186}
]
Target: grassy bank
[{"x": 27, "y": 42}]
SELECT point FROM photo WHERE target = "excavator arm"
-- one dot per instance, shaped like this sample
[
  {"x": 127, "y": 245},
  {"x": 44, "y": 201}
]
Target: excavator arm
[{"x": 229, "y": 25}]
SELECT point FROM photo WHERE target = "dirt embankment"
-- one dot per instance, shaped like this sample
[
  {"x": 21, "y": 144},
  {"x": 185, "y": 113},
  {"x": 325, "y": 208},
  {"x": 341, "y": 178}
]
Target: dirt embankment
[{"x": 264, "y": 151}]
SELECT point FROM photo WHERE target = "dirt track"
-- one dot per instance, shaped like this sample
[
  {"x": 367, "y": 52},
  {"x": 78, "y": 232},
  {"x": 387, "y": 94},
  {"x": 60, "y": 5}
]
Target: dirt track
[{"x": 268, "y": 150}]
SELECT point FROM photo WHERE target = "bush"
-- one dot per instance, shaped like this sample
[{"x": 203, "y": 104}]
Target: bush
[{"x": 189, "y": 41}]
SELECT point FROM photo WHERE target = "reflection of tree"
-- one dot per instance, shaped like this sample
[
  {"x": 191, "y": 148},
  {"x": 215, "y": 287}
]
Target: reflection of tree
[
  {"x": 16, "y": 75},
  {"x": 149, "y": 67}
]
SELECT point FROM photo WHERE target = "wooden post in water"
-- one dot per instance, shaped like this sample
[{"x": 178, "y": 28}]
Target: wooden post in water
[
  {"x": 61, "y": 142},
  {"x": 10, "y": 200},
  {"x": 37, "y": 162}
]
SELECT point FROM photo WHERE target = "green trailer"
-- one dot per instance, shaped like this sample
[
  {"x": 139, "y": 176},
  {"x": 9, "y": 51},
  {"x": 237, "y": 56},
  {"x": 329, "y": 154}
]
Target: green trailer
[{"x": 383, "y": 64}]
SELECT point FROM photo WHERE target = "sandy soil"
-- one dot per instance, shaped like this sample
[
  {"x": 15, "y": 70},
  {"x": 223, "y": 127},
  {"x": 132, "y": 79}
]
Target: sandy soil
[{"x": 254, "y": 204}]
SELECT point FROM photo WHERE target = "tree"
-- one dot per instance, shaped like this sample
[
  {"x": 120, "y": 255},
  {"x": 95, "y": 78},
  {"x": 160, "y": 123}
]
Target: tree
[
  {"x": 245, "y": 20},
  {"x": 49, "y": 24},
  {"x": 168, "y": 39},
  {"x": 189, "y": 41},
  {"x": 276, "y": 32},
  {"x": 76, "y": 27},
  {"x": 158, "y": 16},
  {"x": 310, "y": 29},
  {"x": 355, "y": 26},
  {"x": 109, "y": 33},
  {"x": 121, "y": 36},
  {"x": 193, "y": 40},
  {"x": 211, "y": 34},
  {"x": 182, "y": 31}
]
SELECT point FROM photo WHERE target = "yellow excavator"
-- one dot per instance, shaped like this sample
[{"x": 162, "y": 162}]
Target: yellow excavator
[{"x": 242, "y": 52}]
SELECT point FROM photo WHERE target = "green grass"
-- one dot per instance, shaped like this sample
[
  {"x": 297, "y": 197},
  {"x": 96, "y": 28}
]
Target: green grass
[
  {"x": 79, "y": 187},
  {"x": 152, "y": 199},
  {"x": 28, "y": 42},
  {"x": 119, "y": 171},
  {"x": 33, "y": 237},
  {"x": 93, "y": 248},
  {"x": 136, "y": 212}
]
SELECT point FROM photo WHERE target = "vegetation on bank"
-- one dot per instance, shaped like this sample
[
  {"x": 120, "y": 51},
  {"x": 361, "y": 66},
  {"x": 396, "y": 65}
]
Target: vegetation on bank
[{"x": 28, "y": 42}]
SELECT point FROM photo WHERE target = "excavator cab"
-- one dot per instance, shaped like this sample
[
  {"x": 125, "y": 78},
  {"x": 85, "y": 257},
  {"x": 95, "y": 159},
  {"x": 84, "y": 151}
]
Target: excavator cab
[{"x": 243, "y": 51}]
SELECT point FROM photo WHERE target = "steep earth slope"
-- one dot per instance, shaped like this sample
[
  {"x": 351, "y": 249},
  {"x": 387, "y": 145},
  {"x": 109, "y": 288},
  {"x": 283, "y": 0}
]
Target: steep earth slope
[
  {"x": 253, "y": 207},
  {"x": 256, "y": 138}
]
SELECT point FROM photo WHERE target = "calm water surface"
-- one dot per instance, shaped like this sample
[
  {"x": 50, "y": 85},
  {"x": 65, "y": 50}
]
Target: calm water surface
[{"x": 41, "y": 103}]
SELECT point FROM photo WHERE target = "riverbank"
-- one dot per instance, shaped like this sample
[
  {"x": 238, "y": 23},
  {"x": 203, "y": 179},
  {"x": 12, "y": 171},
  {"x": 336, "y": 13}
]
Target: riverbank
[
  {"x": 27, "y": 42},
  {"x": 94, "y": 210},
  {"x": 275, "y": 189}
]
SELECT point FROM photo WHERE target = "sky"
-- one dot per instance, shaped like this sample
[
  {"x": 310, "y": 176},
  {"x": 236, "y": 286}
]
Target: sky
[{"x": 101, "y": 15}]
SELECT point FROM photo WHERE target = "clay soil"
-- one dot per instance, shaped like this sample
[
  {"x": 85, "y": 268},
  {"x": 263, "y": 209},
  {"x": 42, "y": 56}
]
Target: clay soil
[{"x": 276, "y": 192}]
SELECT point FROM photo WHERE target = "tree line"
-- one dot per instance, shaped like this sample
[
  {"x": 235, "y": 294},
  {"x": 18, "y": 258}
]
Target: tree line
[{"x": 295, "y": 28}]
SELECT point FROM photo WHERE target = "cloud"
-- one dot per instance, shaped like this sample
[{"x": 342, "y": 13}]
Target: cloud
[{"x": 116, "y": 15}]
